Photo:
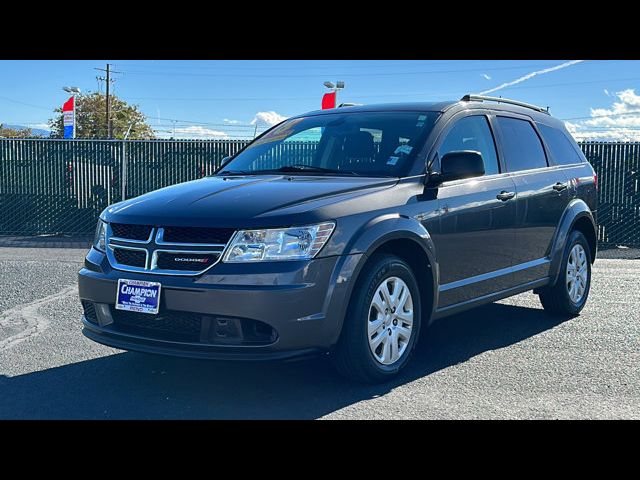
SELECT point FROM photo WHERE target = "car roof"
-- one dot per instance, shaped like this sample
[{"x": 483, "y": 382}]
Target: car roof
[
  {"x": 387, "y": 107},
  {"x": 457, "y": 105}
]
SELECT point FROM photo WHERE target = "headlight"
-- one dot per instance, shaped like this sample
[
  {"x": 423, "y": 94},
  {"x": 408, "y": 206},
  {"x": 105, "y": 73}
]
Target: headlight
[
  {"x": 100, "y": 240},
  {"x": 295, "y": 243}
]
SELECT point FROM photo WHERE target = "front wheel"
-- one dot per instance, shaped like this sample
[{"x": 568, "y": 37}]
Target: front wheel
[
  {"x": 382, "y": 323},
  {"x": 568, "y": 296}
]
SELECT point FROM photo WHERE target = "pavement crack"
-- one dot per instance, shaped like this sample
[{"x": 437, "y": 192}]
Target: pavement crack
[{"x": 25, "y": 321}]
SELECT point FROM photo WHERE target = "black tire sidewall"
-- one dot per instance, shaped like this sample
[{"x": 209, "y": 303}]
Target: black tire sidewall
[
  {"x": 382, "y": 268},
  {"x": 575, "y": 238}
]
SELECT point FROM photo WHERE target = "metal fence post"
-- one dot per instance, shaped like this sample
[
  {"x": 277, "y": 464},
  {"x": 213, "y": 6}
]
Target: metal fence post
[{"x": 123, "y": 173}]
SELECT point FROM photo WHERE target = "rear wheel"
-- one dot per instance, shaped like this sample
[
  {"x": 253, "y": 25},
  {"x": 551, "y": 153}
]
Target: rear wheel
[
  {"x": 568, "y": 296},
  {"x": 382, "y": 323}
]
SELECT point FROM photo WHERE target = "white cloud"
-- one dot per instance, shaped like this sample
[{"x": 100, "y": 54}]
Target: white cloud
[
  {"x": 606, "y": 92},
  {"x": 485, "y": 76},
  {"x": 41, "y": 126},
  {"x": 231, "y": 122},
  {"x": 528, "y": 76},
  {"x": 621, "y": 122},
  {"x": 267, "y": 118},
  {"x": 194, "y": 131}
]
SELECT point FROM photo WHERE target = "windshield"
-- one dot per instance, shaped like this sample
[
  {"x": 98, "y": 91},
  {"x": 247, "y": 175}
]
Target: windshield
[{"x": 367, "y": 144}]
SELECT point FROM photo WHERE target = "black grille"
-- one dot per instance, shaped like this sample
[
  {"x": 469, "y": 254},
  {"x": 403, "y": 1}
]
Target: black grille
[
  {"x": 171, "y": 325},
  {"x": 191, "y": 327},
  {"x": 131, "y": 232},
  {"x": 89, "y": 311},
  {"x": 197, "y": 235},
  {"x": 193, "y": 262},
  {"x": 133, "y": 258}
]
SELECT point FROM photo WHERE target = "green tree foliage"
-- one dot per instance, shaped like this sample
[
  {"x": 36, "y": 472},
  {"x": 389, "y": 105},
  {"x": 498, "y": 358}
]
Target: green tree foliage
[
  {"x": 13, "y": 133},
  {"x": 91, "y": 119}
]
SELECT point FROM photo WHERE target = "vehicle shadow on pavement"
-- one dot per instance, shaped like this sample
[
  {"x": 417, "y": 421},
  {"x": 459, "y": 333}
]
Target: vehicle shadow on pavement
[{"x": 135, "y": 385}]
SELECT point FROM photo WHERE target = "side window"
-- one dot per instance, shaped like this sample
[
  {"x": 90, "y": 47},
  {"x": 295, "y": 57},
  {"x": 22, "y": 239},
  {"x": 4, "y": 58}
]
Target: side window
[
  {"x": 561, "y": 147},
  {"x": 472, "y": 133},
  {"x": 521, "y": 145}
]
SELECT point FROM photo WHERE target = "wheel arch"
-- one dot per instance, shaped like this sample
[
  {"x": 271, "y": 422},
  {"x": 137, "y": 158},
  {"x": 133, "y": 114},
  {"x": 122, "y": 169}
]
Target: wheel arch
[
  {"x": 577, "y": 216},
  {"x": 408, "y": 239}
]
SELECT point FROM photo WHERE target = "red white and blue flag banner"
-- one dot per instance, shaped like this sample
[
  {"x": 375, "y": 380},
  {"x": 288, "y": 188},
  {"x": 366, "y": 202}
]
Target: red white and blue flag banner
[{"x": 69, "y": 114}]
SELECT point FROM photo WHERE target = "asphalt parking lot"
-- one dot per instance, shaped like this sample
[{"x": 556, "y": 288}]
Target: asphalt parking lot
[{"x": 504, "y": 360}]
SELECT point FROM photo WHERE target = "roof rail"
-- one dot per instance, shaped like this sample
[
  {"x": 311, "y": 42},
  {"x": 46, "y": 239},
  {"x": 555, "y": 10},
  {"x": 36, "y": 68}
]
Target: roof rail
[{"x": 483, "y": 98}]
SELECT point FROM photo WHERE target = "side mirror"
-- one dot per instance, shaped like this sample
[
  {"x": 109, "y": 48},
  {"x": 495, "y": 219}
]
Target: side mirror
[{"x": 460, "y": 164}]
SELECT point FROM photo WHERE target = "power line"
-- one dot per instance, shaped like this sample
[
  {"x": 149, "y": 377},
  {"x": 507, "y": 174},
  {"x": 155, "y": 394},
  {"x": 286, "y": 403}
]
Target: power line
[
  {"x": 574, "y": 83},
  {"x": 25, "y": 103},
  {"x": 394, "y": 74},
  {"x": 380, "y": 95},
  {"x": 276, "y": 67},
  {"x": 149, "y": 117},
  {"x": 631, "y": 112},
  {"x": 610, "y": 127},
  {"x": 285, "y": 64}
]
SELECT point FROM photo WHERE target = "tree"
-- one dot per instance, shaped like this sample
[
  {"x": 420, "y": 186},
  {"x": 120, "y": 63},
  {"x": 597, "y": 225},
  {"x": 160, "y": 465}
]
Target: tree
[
  {"x": 91, "y": 118},
  {"x": 13, "y": 133}
]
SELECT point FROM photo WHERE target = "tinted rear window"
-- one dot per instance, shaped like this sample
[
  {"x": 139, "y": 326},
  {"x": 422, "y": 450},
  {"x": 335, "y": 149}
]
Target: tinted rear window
[
  {"x": 562, "y": 149},
  {"x": 521, "y": 145}
]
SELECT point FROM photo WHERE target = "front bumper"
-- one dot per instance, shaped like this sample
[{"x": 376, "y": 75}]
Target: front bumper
[{"x": 303, "y": 302}]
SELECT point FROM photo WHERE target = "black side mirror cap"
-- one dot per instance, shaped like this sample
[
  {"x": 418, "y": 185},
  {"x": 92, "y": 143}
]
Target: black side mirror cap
[{"x": 459, "y": 165}]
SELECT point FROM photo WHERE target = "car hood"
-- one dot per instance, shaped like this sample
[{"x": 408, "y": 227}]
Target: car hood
[{"x": 244, "y": 201}]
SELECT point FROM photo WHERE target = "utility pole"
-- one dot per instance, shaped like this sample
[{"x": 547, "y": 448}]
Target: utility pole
[
  {"x": 108, "y": 119},
  {"x": 108, "y": 84}
]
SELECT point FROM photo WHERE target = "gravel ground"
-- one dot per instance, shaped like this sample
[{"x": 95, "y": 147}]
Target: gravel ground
[{"x": 504, "y": 360}]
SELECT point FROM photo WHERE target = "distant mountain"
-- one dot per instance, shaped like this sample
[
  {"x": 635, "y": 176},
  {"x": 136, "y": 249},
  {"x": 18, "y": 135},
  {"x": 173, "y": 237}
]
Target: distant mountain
[{"x": 35, "y": 131}]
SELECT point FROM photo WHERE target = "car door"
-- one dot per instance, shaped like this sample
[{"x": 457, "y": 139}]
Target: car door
[
  {"x": 476, "y": 239},
  {"x": 542, "y": 195}
]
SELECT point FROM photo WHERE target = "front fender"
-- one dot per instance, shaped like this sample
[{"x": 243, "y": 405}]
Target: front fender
[
  {"x": 576, "y": 209},
  {"x": 368, "y": 239},
  {"x": 388, "y": 227}
]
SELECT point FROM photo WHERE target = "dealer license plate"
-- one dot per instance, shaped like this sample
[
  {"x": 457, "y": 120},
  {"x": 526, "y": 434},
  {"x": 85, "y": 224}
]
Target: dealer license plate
[{"x": 138, "y": 296}]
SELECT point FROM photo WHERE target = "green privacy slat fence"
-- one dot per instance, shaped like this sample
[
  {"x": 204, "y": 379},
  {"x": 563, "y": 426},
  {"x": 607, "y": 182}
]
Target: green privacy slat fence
[
  {"x": 61, "y": 186},
  {"x": 618, "y": 169}
]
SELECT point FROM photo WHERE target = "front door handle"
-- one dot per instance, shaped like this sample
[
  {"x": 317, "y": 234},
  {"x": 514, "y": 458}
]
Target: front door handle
[
  {"x": 504, "y": 195},
  {"x": 558, "y": 187}
]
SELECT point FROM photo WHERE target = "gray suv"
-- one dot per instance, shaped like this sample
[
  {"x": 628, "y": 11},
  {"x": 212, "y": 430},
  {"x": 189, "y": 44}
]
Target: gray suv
[{"x": 347, "y": 232}]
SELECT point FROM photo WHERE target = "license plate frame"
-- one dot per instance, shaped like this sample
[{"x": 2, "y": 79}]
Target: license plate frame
[{"x": 138, "y": 296}]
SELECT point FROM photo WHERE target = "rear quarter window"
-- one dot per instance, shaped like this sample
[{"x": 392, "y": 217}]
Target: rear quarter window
[
  {"x": 562, "y": 149},
  {"x": 521, "y": 145}
]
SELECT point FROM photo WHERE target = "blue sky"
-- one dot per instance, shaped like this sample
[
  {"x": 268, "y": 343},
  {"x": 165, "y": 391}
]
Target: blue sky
[{"x": 223, "y": 98}]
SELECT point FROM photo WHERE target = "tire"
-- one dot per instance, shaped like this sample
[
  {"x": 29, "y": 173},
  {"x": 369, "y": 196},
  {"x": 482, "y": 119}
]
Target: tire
[
  {"x": 556, "y": 299},
  {"x": 353, "y": 356}
]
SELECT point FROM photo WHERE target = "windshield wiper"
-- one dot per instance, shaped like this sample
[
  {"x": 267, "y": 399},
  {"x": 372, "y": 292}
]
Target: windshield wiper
[
  {"x": 233, "y": 172},
  {"x": 300, "y": 167}
]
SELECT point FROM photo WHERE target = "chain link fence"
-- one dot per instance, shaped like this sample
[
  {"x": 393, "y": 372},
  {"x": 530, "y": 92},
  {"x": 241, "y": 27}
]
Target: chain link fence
[{"x": 59, "y": 187}]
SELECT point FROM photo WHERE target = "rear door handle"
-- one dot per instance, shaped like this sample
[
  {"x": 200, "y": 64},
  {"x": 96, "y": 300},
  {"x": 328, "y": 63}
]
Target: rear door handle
[
  {"x": 504, "y": 195},
  {"x": 558, "y": 187}
]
